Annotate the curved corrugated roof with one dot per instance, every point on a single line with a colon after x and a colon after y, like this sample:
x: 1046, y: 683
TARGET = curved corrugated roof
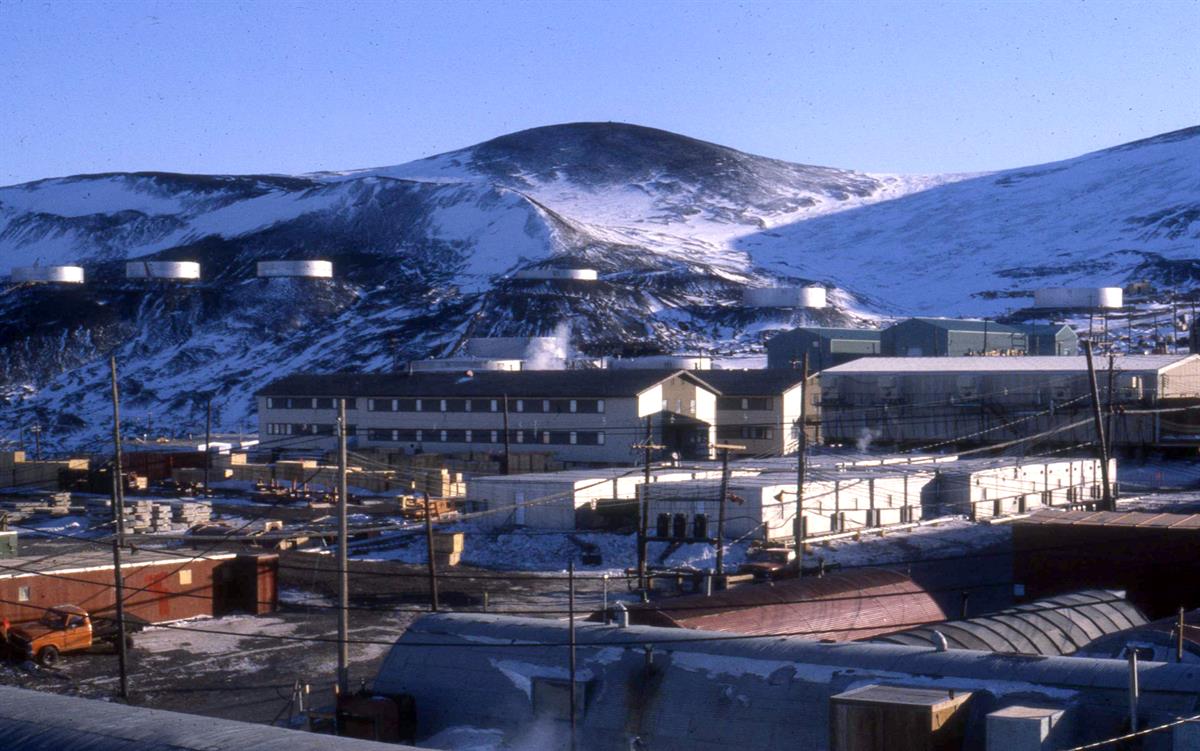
x: 840, y: 606
x: 36, y: 721
x: 1054, y: 626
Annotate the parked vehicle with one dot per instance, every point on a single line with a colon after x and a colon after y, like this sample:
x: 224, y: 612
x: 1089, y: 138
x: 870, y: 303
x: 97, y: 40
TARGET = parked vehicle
x: 61, y: 630
x: 769, y: 563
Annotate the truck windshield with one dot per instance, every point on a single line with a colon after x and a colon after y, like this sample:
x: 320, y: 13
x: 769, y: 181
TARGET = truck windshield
x: 54, y: 619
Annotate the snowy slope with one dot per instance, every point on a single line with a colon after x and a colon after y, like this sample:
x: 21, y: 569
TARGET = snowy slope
x: 424, y: 255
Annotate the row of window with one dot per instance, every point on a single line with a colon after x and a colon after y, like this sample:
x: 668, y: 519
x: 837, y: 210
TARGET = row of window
x: 306, y: 402
x: 746, y: 403
x: 303, y: 428
x: 547, y: 406
x: 750, y: 432
x: 549, y: 437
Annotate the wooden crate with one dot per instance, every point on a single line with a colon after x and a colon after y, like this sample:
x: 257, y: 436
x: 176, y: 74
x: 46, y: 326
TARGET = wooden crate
x: 897, y: 718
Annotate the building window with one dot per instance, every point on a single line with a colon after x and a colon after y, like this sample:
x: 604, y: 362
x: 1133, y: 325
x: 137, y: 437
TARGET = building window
x: 520, y: 436
x: 574, y: 438
x: 22, y: 594
x: 574, y: 407
x: 551, y: 698
x: 323, y: 403
x: 495, y: 405
x: 270, y: 402
x: 546, y: 406
x: 495, y: 436
x: 600, y: 407
x: 691, y: 406
x: 443, y: 436
x: 467, y: 436
x: 372, y: 405
x: 420, y: 436
x: 351, y: 404
x: 420, y: 405
x: 545, y: 436
x: 520, y: 405
x: 600, y: 438
x: 185, y: 577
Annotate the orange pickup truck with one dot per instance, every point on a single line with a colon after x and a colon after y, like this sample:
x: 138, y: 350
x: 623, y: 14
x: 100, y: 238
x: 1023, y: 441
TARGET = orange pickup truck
x: 61, y: 629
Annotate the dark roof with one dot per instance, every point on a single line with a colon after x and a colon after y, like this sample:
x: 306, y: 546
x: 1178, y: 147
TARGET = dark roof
x: 484, y: 383
x: 958, y: 324
x: 824, y: 332
x: 37, y: 721
x: 1055, y: 626
x: 841, y: 606
x: 771, y: 381
x: 1114, y: 519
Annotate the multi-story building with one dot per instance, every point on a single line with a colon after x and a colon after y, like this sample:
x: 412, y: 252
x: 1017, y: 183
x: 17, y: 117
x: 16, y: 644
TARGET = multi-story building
x: 584, y: 416
x: 758, y: 409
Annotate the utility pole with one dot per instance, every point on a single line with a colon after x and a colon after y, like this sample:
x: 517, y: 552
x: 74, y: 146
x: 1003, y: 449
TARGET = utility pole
x: 343, y: 564
x: 506, y: 443
x: 1179, y: 637
x: 433, y: 588
x: 724, y: 447
x: 1102, y: 446
x: 571, y: 642
x: 1108, y: 424
x: 800, y: 527
x: 643, y: 541
x: 1174, y: 327
x: 208, y: 445
x: 118, y: 515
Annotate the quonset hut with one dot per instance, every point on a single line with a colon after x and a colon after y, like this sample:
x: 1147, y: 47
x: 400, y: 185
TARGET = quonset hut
x: 1056, y: 626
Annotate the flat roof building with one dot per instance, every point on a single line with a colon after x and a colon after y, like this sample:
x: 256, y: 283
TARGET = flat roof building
x: 985, y: 400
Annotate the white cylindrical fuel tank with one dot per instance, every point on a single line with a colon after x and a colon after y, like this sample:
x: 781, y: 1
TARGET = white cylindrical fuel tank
x: 48, y: 274
x: 784, y: 297
x: 812, y: 297
x: 1078, y: 297
x: 310, y: 269
x: 663, y: 362
x: 582, y: 275
x: 177, y: 270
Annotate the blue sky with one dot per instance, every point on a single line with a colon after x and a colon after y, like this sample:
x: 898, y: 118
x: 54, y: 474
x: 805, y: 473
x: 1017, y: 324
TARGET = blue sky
x: 294, y: 87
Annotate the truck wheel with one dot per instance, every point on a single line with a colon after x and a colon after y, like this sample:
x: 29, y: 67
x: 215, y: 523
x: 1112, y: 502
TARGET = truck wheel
x: 48, y: 656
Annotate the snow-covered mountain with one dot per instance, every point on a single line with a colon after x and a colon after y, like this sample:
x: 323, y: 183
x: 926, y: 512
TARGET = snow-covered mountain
x: 424, y: 255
